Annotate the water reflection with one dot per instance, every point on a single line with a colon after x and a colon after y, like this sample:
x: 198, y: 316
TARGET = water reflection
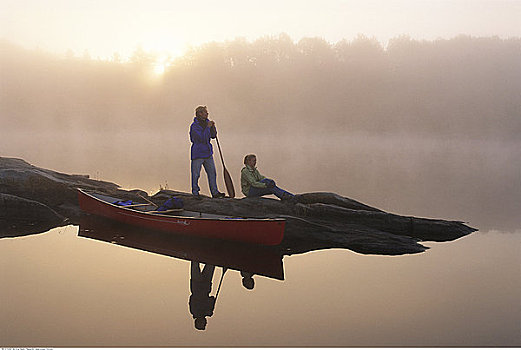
x: 201, y: 303
x: 205, y: 256
x: 247, y: 280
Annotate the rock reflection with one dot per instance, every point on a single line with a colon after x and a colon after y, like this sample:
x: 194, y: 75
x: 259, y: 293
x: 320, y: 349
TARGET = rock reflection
x: 205, y: 255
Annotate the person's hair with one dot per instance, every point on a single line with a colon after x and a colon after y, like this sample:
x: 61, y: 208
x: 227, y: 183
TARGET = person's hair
x: 248, y: 282
x: 199, y: 109
x: 200, y: 323
x: 248, y: 157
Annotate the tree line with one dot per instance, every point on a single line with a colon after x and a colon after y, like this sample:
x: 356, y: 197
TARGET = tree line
x: 459, y: 87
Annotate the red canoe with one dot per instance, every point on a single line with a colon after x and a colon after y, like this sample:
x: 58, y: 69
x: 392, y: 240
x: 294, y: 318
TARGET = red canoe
x: 258, y: 231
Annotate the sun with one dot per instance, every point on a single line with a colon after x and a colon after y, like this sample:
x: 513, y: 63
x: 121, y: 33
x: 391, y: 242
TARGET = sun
x: 161, y: 64
x: 159, y: 68
x: 164, y: 52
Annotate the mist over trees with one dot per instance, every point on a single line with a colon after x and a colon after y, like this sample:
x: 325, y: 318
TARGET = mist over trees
x: 462, y: 87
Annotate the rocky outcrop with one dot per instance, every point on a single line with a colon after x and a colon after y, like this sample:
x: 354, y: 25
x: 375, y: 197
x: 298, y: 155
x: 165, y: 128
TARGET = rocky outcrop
x: 20, y: 216
x: 54, y: 189
x: 326, y: 220
x: 33, y: 200
x: 314, y: 220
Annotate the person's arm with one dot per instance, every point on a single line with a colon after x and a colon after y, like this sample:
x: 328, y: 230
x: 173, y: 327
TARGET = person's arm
x: 197, y: 134
x: 213, y: 130
x: 251, y: 180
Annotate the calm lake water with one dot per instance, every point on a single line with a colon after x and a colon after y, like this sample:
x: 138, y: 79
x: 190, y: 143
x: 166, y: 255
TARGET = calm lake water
x: 64, y: 289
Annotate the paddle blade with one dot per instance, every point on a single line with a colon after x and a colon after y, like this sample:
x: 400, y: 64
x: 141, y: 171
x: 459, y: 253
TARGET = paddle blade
x: 229, y: 184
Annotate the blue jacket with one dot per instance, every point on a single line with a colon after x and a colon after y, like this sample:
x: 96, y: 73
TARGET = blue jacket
x: 200, y: 137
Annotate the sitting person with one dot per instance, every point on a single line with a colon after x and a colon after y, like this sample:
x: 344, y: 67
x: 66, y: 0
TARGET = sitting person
x: 254, y: 184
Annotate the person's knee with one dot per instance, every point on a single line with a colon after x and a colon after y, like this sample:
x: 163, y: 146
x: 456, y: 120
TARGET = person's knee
x: 270, y: 183
x: 196, y: 168
x: 210, y: 168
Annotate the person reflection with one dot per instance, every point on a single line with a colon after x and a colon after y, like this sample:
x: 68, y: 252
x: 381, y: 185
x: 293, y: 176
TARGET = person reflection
x: 201, y: 303
x: 247, y: 280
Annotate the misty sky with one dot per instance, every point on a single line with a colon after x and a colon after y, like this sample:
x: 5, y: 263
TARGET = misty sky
x: 104, y: 27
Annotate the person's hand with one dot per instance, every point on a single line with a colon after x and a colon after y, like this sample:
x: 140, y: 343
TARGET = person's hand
x: 211, y: 123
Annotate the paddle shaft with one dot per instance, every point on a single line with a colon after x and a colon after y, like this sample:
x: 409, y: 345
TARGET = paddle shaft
x: 149, y: 201
x: 219, y: 288
x: 220, y: 152
x: 227, y: 178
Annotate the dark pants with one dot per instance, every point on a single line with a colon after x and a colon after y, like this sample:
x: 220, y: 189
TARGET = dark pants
x: 201, y: 303
x: 257, y: 192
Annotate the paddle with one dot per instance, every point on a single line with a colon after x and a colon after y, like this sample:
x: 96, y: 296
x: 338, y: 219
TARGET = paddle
x: 227, y: 178
x: 149, y: 201
x: 219, y: 288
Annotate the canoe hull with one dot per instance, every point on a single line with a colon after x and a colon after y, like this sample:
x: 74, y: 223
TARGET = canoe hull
x: 257, y: 231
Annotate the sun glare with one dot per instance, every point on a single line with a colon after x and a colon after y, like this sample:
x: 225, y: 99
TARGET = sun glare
x: 159, y: 68
x: 162, y: 61
x: 164, y: 50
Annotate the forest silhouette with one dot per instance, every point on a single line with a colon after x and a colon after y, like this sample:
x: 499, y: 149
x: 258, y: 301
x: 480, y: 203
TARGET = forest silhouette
x: 461, y: 87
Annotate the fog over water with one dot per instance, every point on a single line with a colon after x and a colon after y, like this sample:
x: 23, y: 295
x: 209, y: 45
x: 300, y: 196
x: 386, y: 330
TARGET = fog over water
x: 425, y: 128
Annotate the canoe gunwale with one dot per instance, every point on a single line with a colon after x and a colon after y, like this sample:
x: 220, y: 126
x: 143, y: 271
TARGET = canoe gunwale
x: 263, y: 231
x: 224, y: 217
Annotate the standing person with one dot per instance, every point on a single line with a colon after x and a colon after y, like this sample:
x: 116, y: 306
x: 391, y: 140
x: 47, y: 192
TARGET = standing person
x: 253, y: 184
x: 201, y: 152
x: 201, y: 304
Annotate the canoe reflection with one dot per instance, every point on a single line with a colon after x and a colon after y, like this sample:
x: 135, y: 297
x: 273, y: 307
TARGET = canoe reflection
x: 205, y: 255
